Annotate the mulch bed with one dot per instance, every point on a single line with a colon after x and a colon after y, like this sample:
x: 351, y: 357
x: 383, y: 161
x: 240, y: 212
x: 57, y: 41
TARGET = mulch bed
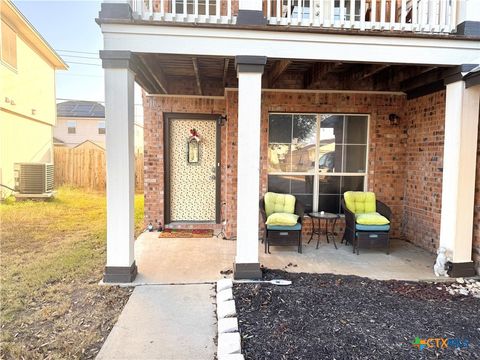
x: 324, y: 316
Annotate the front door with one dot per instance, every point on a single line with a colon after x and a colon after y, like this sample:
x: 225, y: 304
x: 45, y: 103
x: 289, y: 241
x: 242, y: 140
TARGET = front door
x: 191, y: 148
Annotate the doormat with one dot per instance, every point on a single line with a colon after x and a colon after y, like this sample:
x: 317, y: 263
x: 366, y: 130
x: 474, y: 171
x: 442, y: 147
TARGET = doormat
x: 186, y: 233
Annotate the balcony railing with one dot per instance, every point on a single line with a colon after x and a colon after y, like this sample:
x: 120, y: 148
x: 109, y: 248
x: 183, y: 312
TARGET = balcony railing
x: 433, y: 16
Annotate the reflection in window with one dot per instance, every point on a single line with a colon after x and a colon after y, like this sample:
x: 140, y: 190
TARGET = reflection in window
x: 292, y: 143
x: 299, y: 186
x: 339, y: 154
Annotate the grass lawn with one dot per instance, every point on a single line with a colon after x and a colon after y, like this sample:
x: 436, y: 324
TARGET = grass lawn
x: 52, y: 257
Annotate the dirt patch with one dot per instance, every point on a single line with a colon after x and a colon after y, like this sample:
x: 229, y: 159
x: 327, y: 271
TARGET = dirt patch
x: 324, y: 316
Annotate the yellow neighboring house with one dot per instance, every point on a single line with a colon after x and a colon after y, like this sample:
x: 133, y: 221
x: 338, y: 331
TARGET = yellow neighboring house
x: 27, y: 94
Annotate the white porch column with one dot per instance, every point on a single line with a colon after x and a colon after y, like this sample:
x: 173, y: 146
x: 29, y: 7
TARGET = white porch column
x: 119, y: 113
x: 459, y: 164
x: 249, y: 71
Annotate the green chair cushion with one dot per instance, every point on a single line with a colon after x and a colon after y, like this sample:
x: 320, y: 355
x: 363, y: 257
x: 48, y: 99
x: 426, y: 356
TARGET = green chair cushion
x: 361, y: 227
x: 359, y: 202
x: 282, y: 219
x: 296, y: 227
x: 279, y: 203
x: 372, y: 218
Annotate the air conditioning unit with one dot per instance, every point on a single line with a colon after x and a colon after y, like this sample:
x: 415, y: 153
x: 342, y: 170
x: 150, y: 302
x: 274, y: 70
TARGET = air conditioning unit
x: 33, y: 178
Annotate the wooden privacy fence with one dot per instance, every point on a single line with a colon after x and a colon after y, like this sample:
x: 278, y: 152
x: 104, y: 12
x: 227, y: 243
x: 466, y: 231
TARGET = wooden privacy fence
x: 86, y: 168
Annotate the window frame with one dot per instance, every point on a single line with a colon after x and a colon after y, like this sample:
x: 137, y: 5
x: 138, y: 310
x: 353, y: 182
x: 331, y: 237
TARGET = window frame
x: 2, y: 58
x: 67, y: 123
x: 316, y: 173
x: 99, y: 127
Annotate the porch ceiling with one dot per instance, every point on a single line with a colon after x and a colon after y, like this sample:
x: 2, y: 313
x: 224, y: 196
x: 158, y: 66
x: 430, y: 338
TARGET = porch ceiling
x: 205, y: 75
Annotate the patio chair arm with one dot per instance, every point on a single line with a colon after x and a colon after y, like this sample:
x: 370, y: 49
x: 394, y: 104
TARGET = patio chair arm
x: 299, y: 210
x: 349, y: 217
x: 384, y: 210
x: 262, y: 210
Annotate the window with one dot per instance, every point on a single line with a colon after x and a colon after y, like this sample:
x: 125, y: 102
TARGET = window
x: 9, y: 45
x: 72, y: 127
x: 101, y: 127
x: 317, y: 157
x: 212, y: 9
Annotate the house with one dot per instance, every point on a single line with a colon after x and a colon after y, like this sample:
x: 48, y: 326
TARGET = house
x: 79, y: 122
x: 27, y: 94
x: 393, y: 84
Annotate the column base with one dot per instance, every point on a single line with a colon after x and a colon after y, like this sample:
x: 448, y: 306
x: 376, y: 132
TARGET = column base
x: 120, y: 274
x: 250, y: 271
x: 465, y: 269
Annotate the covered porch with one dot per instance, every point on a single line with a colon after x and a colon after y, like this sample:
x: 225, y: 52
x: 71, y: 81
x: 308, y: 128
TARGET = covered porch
x: 172, y: 261
x: 419, y: 154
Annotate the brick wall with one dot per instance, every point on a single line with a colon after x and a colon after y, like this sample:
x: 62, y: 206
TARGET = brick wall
x: 424, y: 162
x: 386, y: 150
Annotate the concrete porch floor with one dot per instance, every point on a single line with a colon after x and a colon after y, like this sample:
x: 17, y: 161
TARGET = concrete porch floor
x: 200, y: 260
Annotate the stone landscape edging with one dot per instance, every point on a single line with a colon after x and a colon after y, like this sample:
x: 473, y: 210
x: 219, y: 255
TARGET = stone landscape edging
x: 229, y: 345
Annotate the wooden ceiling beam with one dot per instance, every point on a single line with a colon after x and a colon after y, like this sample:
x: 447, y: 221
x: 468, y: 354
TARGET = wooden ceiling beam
x: 369, y: 71
x: 225, y: 70
x: 426, y: 78
x: 318, y: 71
x: 156, y: 73
x: 277, y: 70
x: 197, y: 75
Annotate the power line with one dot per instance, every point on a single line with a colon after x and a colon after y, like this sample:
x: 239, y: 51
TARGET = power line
x: 82, y: 63
x: 83, y: 75
x: 77, y: 52
x: 82, y: 57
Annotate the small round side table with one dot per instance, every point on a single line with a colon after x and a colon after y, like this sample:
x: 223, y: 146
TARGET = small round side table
x: 327, y: 218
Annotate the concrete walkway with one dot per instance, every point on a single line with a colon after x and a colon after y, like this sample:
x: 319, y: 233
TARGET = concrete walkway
x: 164, y: 322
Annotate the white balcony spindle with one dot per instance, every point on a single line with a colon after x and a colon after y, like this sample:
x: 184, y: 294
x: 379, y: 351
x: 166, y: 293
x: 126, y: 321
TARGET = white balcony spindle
x: 362, y: 14
x: 392, y: 14
x: 195, y: 9
x: 332, y: 13
x: 373, y: 13
x: 382, y: 13
x: 453, y: 14
x: 352, y: 13
x: 150, y: 7
x: 162, y: 7
x: 310, y: 19
x: 321, y: 15
x: 443, y: 14
x: 229, y: 10
x: 184, y: 9
x: 289, y: 11
x: 342, y: 13
x: 269, y: 9
x: 217, y: 10
x: 299, y: 11
x: 278, y: 14
x: 403, y: 14
x: 207, y: 8
x: 174, y: 8
x: 414, y: 14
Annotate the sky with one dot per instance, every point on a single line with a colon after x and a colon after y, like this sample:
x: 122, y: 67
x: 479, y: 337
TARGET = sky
x: 70, y: 28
